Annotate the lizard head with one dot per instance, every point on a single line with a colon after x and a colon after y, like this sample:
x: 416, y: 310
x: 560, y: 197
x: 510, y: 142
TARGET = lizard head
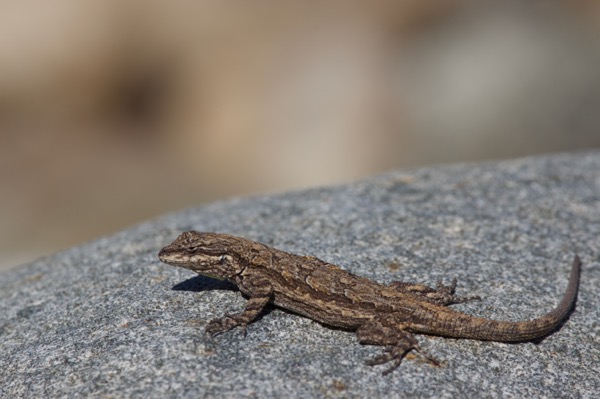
x: 209, y: 254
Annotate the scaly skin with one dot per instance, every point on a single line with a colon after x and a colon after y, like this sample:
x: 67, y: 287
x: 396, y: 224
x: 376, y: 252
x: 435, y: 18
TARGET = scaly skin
x: 380, y: 314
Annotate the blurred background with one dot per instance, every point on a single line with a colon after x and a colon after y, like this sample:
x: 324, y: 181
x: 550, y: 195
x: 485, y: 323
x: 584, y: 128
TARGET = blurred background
x: 112, y: 112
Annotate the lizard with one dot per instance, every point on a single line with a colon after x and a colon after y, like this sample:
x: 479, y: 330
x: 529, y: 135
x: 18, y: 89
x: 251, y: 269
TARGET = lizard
x: 381, y: 314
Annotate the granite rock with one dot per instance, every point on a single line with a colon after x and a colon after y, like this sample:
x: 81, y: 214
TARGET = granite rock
x: 107, y: 319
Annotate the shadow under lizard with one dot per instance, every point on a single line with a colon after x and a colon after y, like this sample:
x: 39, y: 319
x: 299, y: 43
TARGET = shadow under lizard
x: 386, y: 315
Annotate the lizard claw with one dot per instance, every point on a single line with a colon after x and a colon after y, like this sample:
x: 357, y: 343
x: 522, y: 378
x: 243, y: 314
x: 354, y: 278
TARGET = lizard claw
x: 244, y: 329
x: 426, y: 355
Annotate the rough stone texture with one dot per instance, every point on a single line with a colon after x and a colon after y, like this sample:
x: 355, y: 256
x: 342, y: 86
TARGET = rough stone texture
x: 106, y: 319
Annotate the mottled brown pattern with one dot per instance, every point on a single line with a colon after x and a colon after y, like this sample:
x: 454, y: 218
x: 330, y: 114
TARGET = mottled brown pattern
x: 380, y: 314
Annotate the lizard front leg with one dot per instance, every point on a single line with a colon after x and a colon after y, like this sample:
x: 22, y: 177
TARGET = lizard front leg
x: 390, y: 331
x: 260, y: 292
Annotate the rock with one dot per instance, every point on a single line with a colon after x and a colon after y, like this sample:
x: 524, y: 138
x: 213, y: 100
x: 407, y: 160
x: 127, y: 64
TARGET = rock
x: 107, y: 319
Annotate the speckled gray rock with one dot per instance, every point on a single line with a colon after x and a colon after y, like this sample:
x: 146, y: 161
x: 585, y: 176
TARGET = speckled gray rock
x: 106, y: 319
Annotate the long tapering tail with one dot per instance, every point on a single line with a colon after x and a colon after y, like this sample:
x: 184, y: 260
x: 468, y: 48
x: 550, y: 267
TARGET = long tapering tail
x: 461, y: 325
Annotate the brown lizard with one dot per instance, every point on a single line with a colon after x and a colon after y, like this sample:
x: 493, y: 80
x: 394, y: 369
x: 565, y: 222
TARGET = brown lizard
x: 380, y: 314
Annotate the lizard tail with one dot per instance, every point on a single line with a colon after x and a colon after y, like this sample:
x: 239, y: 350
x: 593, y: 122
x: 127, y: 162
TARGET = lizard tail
x: 460, y: 325
x: 565, y: 306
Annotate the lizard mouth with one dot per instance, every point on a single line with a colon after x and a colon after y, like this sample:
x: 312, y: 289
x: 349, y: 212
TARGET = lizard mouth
x: 196, y: 262
x: 170, y: 257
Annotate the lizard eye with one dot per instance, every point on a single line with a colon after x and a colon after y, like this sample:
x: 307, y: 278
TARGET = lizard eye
x: 193, y: 250
x: 223, y: 259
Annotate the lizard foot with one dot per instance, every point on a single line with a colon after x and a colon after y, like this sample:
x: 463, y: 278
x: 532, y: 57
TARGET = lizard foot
x: 396, y: 353
x: 398, y: 342
x: 444, y: 294
x: 222, y: 324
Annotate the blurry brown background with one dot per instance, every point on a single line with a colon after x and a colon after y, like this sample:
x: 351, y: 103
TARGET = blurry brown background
x: 112, y: 112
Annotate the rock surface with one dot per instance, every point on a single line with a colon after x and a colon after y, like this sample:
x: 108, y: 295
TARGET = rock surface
x: 107, y: 319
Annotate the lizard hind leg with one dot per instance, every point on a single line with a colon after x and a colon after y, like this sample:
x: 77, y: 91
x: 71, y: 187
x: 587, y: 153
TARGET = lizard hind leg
x: 397, y: 341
